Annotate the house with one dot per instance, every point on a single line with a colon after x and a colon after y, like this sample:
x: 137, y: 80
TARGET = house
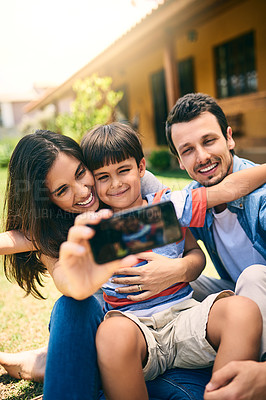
x: 211, y: 46
x: 12, y: 109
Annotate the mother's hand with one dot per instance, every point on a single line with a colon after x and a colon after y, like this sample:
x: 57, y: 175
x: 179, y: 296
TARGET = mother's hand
x: 76, y: 274
x: 152, y: 278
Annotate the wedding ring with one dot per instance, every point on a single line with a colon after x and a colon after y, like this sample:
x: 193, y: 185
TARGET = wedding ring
x: 140, y: 288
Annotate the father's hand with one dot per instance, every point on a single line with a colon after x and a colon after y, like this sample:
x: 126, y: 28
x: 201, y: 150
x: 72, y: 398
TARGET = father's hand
x: 152, y: 278
x: 245, y: 380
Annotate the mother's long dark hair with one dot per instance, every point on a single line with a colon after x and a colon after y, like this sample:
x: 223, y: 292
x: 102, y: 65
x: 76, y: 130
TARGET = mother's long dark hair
x: 29, y: 208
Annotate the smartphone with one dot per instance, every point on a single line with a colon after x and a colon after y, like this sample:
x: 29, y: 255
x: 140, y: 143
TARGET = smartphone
x: 135, y: 230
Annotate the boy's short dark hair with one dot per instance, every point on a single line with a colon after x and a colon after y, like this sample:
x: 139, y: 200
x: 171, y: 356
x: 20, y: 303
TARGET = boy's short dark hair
x: 189, y: 107
x: 109, y: 144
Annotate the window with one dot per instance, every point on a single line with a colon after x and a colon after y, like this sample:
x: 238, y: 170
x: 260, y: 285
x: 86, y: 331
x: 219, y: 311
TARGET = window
x: 186, y: 76
x: 235, y: 67
x: 159, y: 105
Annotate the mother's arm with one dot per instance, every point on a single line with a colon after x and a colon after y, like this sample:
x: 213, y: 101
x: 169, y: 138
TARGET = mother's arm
x: 162, y: 272
x: 12, y: 242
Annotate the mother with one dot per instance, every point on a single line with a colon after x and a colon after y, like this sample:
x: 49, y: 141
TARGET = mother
x: 48, y: 186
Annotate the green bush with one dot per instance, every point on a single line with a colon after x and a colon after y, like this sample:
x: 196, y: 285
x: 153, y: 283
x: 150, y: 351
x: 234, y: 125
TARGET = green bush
x: 160, y: 159
x: 94, y: 104
x: 6, y: 148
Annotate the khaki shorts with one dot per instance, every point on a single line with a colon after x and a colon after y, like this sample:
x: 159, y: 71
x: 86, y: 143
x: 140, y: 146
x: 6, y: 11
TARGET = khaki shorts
x: 176, y: 337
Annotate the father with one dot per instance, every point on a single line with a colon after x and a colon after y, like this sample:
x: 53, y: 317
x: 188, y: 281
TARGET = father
x: 234, y: 234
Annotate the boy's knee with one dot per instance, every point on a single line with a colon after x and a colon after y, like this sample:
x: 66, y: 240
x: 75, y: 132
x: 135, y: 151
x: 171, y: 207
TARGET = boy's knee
x: 234, y: 314
x: 236, y: 309
x: 243, y: 310
x: 116, y: 335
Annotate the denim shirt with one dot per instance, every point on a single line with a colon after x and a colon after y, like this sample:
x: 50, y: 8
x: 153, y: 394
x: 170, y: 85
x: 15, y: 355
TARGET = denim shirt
x: 251, y: 214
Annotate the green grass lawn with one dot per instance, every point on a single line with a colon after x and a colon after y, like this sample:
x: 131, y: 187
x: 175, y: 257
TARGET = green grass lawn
x: 24, y: 321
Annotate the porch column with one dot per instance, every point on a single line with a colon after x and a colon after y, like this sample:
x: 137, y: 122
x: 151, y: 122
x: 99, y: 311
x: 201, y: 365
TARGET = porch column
x: 170, y: 70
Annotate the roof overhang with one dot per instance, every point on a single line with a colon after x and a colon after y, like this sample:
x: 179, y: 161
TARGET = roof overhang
x: 174, y: 16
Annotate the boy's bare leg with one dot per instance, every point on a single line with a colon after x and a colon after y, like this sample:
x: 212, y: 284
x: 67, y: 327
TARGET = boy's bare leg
x: 29, y: 365
x: 121, y: 350
x: 234, y: 329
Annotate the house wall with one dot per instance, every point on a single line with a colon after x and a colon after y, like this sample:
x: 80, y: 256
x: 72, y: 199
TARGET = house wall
x: 139, y: 92
x: 135, y: 57
x: 137, y: 79
x: 7, y: 114
x: 18, y: 111
x: 63, y: 104
x: 246, y: 16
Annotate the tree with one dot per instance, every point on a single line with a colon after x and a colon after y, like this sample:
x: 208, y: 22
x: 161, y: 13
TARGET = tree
x: 94, y: 104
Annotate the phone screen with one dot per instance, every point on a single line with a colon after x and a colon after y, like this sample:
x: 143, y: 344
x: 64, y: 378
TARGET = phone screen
x: 136, y: 230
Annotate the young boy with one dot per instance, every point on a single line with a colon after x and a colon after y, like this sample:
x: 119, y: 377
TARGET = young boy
x: 140, y: 340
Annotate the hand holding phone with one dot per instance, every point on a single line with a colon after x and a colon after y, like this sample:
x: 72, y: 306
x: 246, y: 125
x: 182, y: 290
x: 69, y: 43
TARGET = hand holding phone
x: 135, y: 230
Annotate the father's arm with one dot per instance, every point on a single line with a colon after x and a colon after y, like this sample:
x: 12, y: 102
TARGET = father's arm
x: 150, y: 184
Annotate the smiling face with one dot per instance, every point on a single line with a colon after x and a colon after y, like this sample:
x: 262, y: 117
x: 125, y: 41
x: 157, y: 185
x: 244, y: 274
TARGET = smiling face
x: 118, y: 185
x: 203, y: 150
x: 71, y: 185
